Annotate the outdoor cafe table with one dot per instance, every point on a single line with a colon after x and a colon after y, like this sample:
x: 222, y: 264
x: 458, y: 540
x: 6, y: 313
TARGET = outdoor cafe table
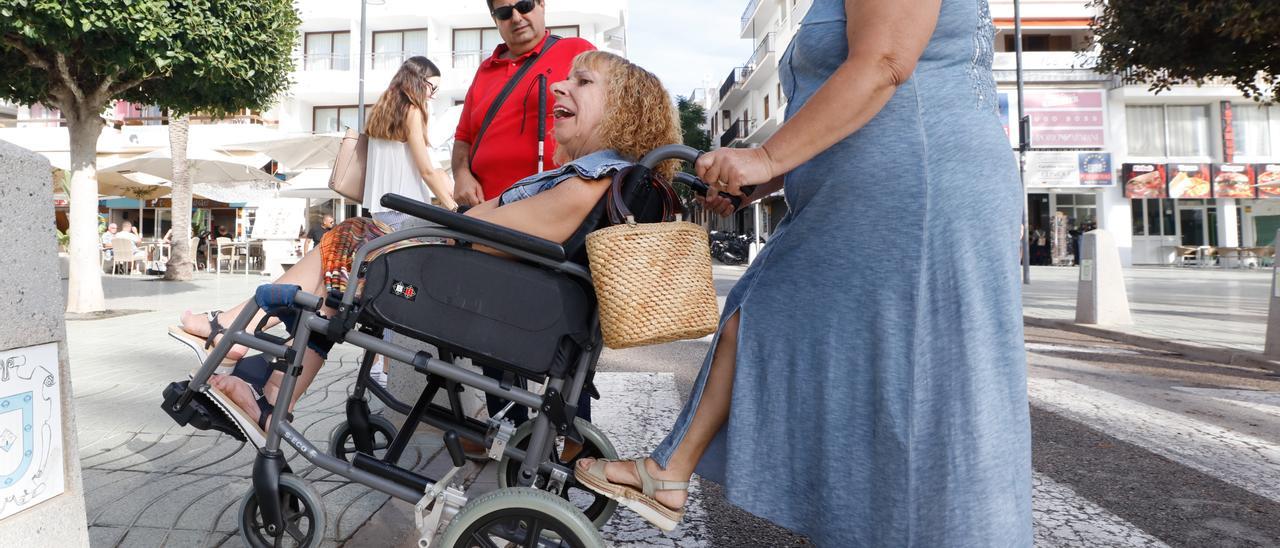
x: 235, y: 245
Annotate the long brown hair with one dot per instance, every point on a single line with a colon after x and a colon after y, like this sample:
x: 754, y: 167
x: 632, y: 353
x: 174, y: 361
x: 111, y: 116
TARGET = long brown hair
x: 639, y: 113
x: 408, y: 88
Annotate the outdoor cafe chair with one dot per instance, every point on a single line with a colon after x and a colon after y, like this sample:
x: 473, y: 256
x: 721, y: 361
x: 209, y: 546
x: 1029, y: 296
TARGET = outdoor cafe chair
x: 228, y: 250
x: 124, y: 251
x: 1186, y: 254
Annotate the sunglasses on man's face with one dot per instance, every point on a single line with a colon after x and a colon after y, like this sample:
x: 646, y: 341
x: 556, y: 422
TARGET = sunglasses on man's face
x: 505, y: 12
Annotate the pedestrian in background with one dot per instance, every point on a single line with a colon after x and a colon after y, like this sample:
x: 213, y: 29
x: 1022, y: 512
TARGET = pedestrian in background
x: 497, y: 142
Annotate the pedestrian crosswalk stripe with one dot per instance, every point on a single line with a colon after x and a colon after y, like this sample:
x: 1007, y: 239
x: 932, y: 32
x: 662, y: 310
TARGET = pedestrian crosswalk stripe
x: 1065, y: 519
x: 1245, y: 461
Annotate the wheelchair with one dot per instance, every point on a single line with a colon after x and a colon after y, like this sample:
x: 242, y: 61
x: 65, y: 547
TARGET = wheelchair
x: 532, y: 315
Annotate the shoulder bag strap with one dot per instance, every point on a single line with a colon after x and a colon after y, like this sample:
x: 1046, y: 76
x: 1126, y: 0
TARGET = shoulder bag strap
x: 506, y: 90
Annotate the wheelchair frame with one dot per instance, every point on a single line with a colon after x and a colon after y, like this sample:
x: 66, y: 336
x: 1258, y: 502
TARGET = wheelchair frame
x: 434, y: 500
x: 555, y: 416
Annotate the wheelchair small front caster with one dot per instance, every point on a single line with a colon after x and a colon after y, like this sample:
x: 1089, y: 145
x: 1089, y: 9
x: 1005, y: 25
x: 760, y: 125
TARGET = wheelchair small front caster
x: 342, y: 442
x: 304, y: 520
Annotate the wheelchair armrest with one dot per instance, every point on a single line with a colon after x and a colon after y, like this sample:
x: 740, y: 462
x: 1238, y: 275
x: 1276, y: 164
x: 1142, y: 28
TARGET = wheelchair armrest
x: 476, y: 227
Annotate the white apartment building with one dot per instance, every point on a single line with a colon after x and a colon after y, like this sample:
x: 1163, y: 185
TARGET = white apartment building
x: 1089, y: 133
x: 324, y: 97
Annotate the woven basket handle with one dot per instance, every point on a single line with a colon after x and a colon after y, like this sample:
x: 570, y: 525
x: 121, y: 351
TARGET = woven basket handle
x: 617, y: 206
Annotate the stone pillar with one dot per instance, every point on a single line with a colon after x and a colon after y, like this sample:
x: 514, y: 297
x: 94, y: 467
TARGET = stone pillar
x: 1100, y: 294
x: 1273, y: 309
x: 41, y: 494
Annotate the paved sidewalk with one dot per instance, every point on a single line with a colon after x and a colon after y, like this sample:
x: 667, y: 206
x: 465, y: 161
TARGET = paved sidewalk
x: 150, y: 482
x: 1210, y: 307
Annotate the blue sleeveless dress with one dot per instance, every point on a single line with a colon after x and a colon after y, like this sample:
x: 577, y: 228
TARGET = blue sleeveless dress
x: 879, y: 396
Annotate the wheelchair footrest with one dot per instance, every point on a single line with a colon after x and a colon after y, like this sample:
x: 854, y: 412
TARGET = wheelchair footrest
x: 199, y: 413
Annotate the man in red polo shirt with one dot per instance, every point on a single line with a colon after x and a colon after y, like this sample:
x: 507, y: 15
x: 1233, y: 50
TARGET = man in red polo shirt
x: 508, y: 149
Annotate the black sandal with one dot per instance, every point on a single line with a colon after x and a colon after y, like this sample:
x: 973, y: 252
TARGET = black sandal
x: 202, y: 345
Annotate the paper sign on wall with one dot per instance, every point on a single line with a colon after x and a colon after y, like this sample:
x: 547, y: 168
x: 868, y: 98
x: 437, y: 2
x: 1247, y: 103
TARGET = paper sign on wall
x: 31, y: 468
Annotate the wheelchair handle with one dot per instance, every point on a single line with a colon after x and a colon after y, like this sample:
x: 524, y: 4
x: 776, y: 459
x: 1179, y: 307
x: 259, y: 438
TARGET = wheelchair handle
x: 689, y: 155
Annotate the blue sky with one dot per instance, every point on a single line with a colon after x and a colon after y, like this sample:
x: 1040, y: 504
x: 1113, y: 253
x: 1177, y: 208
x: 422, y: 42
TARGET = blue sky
x: 686, y: 42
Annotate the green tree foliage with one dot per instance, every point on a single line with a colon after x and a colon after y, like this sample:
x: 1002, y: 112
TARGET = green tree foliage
x: 1168, y: 42
x: 215, y: 56
x: 692, y: 117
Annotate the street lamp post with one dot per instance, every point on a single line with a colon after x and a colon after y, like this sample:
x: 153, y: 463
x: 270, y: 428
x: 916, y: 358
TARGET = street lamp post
x: 364, y: 8
x: 1024, y: 143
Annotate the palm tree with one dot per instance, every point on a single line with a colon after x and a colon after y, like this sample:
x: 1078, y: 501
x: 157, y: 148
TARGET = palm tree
x: 182, y: 258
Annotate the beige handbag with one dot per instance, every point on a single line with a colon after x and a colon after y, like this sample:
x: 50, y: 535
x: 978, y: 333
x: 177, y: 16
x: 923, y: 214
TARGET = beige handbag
x: 347, y: 177
x: 653, y: 280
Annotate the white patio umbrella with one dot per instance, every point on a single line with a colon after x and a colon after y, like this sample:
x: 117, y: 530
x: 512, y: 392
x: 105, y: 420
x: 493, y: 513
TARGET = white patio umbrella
x: 312, y: 184
x: 207, y: 166
x: 298, y: 152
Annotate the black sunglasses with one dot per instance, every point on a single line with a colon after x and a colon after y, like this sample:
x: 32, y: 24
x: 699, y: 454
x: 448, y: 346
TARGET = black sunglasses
x: 505, y: 12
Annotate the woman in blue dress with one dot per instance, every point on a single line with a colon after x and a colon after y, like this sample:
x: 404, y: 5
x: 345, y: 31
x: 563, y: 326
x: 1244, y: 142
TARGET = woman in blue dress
x: 867, y: 386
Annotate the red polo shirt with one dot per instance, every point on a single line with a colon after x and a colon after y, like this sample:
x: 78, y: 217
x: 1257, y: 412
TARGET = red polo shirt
x: 509, y: 149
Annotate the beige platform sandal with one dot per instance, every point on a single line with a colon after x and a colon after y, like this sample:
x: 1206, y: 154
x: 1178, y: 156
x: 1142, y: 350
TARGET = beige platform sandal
x: 640, y: 502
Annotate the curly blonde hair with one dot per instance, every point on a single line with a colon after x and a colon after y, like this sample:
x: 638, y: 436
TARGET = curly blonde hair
x: 639, y: 113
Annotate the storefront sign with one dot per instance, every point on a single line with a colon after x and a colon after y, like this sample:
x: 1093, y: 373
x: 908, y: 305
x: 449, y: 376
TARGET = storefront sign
x: 1062, y: 118
x: 1144, y: 181
x: 1068, y: 169
x: 1095, y: 169
x: 1228, y: 131
x: 1233, y: 181
x: 1189, y: 181
x: 197, y: 203
x: 1059, y: 118
x: 1268, y: 180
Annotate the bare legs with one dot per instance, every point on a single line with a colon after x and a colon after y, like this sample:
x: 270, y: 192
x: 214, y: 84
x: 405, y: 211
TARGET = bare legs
x: 306, y: 274
x: 711, y: 414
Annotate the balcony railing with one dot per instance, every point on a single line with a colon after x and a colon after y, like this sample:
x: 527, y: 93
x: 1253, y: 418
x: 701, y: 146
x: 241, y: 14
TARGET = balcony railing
x: 391, y: 60
x: 736, y: 75
x: 326, y: 61
x: 468, y: 59
x: 762, y: 50
x: 799, y: 9
x: 732, y: 134
x: 748, y: 14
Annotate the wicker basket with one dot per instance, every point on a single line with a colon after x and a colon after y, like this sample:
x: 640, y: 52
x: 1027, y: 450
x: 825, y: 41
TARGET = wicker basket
x: 653, y: 283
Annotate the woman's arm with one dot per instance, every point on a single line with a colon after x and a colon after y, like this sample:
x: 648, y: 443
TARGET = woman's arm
x: 886, y: 39
x: 554, y: 214
x: 436, y: 179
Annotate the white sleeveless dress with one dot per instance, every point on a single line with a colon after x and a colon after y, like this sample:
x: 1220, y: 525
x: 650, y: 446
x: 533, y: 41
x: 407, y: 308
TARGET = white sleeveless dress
x: 389, y: 168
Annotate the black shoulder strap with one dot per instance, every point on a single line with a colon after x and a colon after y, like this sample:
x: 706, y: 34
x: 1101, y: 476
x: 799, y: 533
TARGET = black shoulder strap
x: 506, y: 90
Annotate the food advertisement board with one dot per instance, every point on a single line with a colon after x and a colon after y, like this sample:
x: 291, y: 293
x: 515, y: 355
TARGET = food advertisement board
x: 1233, y: 181
x: 1144, y: 181
x: 1267, y: 177
x: 1189, y: 181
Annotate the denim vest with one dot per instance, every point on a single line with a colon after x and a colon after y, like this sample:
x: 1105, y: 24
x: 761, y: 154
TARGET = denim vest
x: 592, y: 166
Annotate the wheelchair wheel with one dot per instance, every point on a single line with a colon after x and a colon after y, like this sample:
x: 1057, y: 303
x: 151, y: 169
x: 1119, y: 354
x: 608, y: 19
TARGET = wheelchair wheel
x: 303, y: 516
x: 598, y: 508
x: 520, y: 516
x: 342, y: 442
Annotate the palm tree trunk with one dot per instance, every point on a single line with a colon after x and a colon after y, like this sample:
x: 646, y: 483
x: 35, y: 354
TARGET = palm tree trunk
x: 182, y: 259
x: 84, y: 284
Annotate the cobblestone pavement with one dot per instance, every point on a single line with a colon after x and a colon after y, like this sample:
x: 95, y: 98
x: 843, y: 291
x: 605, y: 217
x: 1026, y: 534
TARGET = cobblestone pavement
x: 1132, y: 447
x: 1202, y: 306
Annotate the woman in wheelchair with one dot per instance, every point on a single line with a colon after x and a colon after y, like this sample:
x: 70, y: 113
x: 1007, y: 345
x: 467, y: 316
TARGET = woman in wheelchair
x: 609, y: 113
